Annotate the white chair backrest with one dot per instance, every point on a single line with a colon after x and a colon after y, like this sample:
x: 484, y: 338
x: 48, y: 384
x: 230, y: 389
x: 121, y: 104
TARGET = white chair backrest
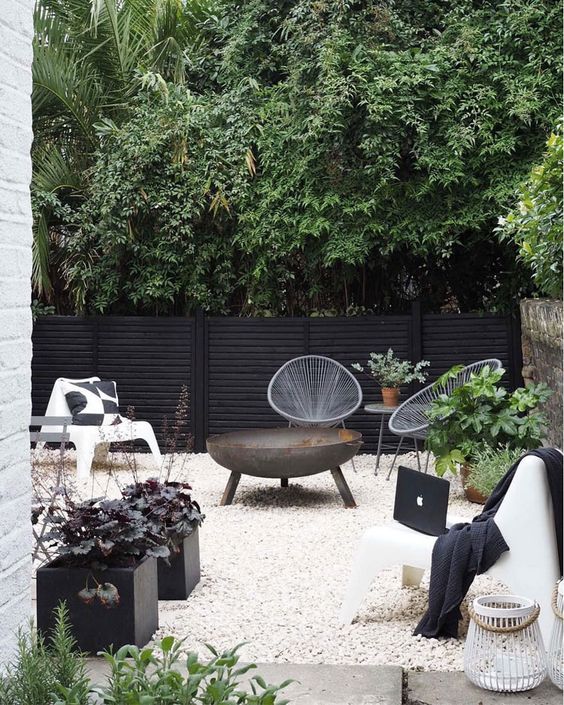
x: 57, y: 405
x: 526, y: 521
x: 525, y: 516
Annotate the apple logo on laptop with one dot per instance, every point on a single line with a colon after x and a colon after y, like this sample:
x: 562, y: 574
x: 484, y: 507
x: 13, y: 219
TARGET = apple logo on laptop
x: 420, y: 500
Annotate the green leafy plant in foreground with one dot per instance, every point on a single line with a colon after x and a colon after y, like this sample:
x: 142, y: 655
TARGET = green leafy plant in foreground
x: 389, y: 371
x: 171, y: 675
x: 489, y: 465
x: 53, y: 672
x: 42, y: 668
x: 482, y: 414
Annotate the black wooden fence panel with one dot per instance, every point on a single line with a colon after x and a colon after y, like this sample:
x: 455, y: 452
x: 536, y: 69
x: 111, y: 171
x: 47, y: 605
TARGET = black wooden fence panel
x: 226, y: 363
x: 149, y: 358
x: 350, y: 340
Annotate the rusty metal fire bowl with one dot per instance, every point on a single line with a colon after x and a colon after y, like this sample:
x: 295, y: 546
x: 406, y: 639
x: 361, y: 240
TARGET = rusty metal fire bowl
x: 285, y: 453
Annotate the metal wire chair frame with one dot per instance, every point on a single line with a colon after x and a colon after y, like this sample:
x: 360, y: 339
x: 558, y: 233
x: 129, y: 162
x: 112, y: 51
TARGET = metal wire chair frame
x: 312, y: 383
x: 414, y: 411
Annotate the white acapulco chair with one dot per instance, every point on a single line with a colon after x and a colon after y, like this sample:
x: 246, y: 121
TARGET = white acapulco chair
x: 86, y: 438
x: 411, y: 419
x: 530, y: 568
x: 313, y: 390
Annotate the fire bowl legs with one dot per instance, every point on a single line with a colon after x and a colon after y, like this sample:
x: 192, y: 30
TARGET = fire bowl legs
x: 337, y: 473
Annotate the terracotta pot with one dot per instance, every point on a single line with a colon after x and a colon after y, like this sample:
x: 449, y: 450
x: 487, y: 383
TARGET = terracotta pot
x: 390, y: 396
x: 471, y: 493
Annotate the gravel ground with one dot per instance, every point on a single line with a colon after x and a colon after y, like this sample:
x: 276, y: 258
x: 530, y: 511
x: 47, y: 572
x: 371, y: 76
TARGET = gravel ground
x: 275, y: 566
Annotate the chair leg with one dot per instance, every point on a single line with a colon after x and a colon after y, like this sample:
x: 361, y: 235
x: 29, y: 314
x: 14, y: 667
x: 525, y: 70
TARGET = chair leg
x: 148, y: 435
x: 427, y: 461
x: 417, y: 454
x: 352, y: 459
x: 411, y: 575
x: 395, y: 456
x: 368, y: 562
x: 84, y: 457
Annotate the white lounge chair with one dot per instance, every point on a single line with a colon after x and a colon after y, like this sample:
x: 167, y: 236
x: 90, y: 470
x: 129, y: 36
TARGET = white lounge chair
x: 86, y: 438
x: 525, y: 519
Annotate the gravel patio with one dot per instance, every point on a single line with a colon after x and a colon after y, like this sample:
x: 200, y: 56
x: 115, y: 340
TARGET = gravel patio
x: 275, y: 565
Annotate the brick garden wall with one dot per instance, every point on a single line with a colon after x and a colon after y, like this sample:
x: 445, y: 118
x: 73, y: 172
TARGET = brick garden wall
x: 541, y: 326
x: 16, y: 28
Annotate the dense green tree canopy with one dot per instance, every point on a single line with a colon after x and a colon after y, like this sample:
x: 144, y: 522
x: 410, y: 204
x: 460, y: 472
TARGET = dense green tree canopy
x: 317, y: 156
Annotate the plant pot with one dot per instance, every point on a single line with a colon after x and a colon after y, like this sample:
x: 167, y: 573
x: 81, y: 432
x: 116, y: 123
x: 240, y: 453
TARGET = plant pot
x: 390, y: 396
x: 96, y: 627
x: 177, y: 580
x: 471, y: 493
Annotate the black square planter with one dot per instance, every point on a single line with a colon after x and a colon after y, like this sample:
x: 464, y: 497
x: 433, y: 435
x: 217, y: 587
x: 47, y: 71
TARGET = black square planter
x: 95, y: 627
x: 178, y: 580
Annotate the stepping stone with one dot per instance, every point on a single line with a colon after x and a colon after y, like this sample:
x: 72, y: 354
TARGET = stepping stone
x: 336, y: 685
x: 433, y: 688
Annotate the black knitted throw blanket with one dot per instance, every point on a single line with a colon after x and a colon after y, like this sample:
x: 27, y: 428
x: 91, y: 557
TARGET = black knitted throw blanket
x: 467, y: 550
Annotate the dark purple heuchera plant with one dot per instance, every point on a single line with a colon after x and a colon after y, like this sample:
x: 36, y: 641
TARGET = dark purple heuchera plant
x: 100, y: 533
x: 169, y: 506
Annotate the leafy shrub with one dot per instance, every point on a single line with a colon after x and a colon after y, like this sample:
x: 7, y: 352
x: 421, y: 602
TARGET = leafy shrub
x: 482, y: 414
x: 169, y: 505
x: 489, y: 465
x: 147, y: 677
x: 389, y: 371
x: 536, y: 223
x: 41, y: 670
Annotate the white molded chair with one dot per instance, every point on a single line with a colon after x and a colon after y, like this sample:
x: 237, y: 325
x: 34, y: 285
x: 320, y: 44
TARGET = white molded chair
x: 86, y: 438
x: 525, y: 519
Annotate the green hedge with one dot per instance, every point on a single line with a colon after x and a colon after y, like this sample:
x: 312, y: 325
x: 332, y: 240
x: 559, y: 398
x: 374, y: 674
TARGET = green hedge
x: 323, y: 157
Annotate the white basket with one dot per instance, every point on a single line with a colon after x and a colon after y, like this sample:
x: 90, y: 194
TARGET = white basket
x: 555, y: 652
x: 504, y: 650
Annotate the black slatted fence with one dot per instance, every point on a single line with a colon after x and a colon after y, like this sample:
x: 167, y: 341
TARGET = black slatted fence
x: 226, y: 363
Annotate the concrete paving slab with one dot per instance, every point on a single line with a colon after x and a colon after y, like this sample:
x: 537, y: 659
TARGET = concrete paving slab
x: 320, y: 684
x: 337, y: 685
x: 434, y: 688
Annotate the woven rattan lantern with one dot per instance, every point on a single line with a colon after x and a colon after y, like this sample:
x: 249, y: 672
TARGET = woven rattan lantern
x: 504, y: 650
x: 555, y: 651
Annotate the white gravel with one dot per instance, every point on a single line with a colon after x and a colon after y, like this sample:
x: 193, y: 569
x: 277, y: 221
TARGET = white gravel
x: 276, y: 562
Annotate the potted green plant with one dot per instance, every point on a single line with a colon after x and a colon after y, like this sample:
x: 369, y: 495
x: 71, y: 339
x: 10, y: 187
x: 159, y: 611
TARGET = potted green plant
x: 105, y: 570
x: 171, y: 506
x: 482, y: 414
x: 487, y: 467
x: 391, y: 372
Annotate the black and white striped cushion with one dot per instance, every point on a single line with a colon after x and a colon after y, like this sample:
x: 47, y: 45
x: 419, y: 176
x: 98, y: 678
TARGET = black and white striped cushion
x: 92, y: 403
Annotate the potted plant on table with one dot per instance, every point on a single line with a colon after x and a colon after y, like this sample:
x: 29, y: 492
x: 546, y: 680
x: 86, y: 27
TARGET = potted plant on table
x: 479, y: 415
x: 105, y: 570
x: 390, y: 372
x: 170, y: 506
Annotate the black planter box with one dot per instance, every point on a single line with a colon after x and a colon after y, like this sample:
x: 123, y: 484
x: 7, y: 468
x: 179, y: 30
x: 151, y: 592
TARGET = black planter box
x: 95, y: 627
x: 177, y: 580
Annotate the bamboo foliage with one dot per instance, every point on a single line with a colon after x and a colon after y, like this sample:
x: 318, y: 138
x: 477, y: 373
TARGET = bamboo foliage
x: 89, y: 56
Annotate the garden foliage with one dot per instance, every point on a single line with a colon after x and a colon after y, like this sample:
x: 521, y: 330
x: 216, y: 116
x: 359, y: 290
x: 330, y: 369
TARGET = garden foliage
x: 300, y: 156
x: 481, y: 414
x: 535, y: 225
x: 54, y: 673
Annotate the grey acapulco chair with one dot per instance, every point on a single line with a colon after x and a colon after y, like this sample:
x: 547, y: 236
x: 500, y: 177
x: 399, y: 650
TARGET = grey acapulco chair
x: 411, y: 419
x: 313, y: 390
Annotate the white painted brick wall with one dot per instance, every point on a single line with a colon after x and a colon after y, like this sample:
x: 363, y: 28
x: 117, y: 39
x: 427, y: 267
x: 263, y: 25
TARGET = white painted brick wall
x: 16, y: 30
